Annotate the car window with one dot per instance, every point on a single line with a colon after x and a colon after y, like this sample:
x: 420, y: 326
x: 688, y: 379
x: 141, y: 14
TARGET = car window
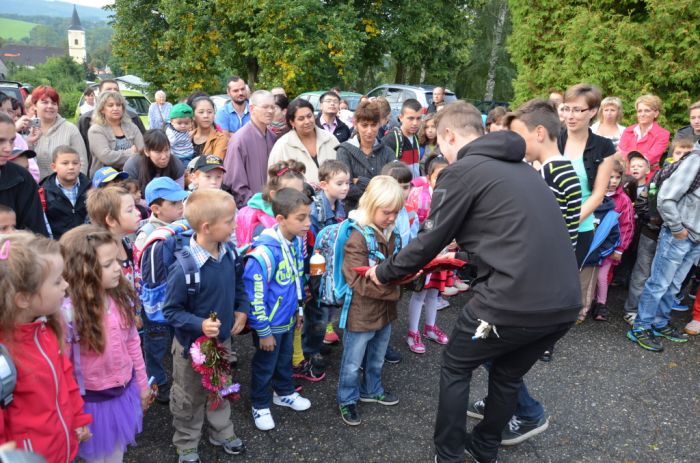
x: 393, y: 95
x: 381, y: 91
x: 406, y: 94
x: 313, y: 99
x: 138, y: 104
x: 353, y: 101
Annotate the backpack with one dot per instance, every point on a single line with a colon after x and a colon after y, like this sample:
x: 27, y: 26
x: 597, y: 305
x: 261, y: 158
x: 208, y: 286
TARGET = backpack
x: 659, y: 179
x: 247, y: 219
x: 607, y: 234
x: 330, y: 242
x: 419, y: 199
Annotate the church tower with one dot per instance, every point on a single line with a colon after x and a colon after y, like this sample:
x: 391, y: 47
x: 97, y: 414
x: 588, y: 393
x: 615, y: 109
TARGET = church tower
x: 76, y: 39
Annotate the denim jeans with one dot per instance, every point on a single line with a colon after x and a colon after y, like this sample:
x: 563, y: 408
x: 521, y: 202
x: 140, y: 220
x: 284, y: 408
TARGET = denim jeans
x: 528, y: 408
x: 640, y: 272
x: 671, y: 264
x: 157, y: 340
x: 358, y: 346
x: 272, y: 369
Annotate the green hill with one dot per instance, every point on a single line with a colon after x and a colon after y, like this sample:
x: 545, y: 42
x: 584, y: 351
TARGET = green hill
x: 11, y: 29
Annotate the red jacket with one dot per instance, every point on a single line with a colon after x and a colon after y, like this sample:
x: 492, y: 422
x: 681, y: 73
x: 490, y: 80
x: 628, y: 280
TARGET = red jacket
x: 46, y: 408
x: 652, y: 145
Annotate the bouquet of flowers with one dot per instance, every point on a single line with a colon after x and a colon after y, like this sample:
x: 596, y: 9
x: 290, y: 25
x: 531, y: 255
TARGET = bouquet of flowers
x: 210, y: 359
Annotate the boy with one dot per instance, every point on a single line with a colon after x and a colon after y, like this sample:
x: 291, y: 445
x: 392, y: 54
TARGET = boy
x: 639, y: 169
x: 165, y: 200
x: 211, y: 213
x: 178, y: 132
x: 8, y: 219
x: 208, y: 172
x: 108, y: 176
x: 403, y: 141
x: 326, y: 209
x: 65, y: 191
x: 274, y: 280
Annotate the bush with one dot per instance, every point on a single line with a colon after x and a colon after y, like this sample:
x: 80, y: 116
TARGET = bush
x: 69, y: 101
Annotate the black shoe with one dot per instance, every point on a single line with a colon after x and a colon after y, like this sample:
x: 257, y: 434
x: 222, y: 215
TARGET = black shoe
x: 385, y: 399
x: 519, y: 430
x: 476, y: 409
x: 350, y: 415
x: 645, y: 339
x: 163, y: 396
x: 305, y: 370
x: 318, y: 362
x: 546, y: 356
x: 468, y: 450
x: 601, y: 313
x: 671, y: 333
x: 392, y: 355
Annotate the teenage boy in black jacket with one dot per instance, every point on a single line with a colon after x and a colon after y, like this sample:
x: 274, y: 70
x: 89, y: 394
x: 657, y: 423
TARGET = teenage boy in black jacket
x: 499, y: 209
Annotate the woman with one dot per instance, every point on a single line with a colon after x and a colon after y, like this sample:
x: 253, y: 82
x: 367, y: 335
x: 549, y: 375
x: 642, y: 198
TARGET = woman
x: 207, y: 137
x: 693, y: 130
x: 363, y: 153
x: 591, y: 157
x: 159, y: 111
x: 279, y: 124
x: 609, y: 117
x: 112, y: 137
x: 53, y: 131
x: 155, y: 161
x: 646, y: 136
x: 305, y: 143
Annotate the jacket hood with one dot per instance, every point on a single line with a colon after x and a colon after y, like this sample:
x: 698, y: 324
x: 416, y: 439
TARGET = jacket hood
x: 504, y: 145
x: 269, y: 238
x: 257, y: 202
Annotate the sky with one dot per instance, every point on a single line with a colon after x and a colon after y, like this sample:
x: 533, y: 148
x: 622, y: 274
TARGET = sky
x: 93, y: 3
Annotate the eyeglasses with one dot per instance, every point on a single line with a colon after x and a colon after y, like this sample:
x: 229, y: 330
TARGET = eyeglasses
x: 332, y: 102
x: 574, y: 111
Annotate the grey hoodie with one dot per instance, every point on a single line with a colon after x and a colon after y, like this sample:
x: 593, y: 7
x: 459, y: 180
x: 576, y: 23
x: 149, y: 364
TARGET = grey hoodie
x: 679, y: 207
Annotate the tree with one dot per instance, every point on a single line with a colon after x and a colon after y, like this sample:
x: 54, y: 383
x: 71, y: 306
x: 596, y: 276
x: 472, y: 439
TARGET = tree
x: 46, y: 36
x: 626, y: 47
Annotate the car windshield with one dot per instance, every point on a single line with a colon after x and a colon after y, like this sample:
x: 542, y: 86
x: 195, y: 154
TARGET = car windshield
x: 137, y: 103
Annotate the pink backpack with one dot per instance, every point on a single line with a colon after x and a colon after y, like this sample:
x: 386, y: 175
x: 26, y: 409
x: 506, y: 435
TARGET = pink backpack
x: 419, y: 199
x: 247, y: 219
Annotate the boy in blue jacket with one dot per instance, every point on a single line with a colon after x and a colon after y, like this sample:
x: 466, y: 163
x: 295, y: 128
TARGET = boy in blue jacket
x: 211, y: 214
x: 274, y: 280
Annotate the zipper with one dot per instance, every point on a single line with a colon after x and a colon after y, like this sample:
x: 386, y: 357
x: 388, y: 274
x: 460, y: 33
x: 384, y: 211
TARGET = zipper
x: 55, y: 378
x: 274, y: 309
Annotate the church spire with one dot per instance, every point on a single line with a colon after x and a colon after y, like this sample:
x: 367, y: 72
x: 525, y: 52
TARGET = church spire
x: 75, y: 23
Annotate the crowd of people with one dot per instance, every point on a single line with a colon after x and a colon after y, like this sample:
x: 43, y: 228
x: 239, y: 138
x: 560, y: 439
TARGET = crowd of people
x: 121, y: 246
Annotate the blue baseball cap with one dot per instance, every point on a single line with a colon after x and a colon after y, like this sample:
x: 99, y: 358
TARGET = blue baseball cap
x: 105, y: 175
x: 164, y: 188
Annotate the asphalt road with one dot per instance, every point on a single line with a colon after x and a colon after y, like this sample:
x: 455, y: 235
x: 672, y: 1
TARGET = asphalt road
x: 607, y: 400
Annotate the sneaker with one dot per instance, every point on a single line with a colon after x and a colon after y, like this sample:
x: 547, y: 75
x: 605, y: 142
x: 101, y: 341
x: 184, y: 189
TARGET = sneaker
x: 629, y: 317
x: 461, y: 286
x: 392, y: 355
x: 671, y: 333
x: 318, y: 361
x: 519, y: 430
x: 306, y: 370
x: 692, y: 328
x: 331, y: 337
x: 415, y: 344
x: 442, y: 303
x: 476, y: 409
x: 232, y: 445
x: 188, y: 456
x: 645, y: 339
x: 294, y: 401
x: 450, y: 291
x: 263, y: 419
x: 387, y: 398
x: 350, y: 415
x: 435, y: 334
x: 678, y: 306
x: 474, y: 458
x: 546, y: 356
x: 601, y: 313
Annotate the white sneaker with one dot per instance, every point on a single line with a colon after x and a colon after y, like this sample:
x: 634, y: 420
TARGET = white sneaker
x: 263, y: 419
x: 294, y: 401
x: 692, y: 328
x: 461, y: 286
x: 442, y: 303
x: 450, y: 291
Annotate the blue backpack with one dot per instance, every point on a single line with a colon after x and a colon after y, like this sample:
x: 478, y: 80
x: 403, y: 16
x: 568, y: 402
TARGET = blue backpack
x: 607, y: 233
x: 330, y: 242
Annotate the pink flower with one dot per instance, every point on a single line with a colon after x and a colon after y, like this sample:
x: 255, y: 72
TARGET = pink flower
x: 198, y: 357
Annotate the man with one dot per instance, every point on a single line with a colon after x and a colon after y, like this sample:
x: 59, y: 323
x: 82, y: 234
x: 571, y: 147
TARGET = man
x: 328, y: 120
x: 527, y: 294
x: 249, y: 148
x: 438, y: 100
x: 278, y: 91
x: 235, y: 114
x: 107, y: 85
x: 18, y: 190
x: 403, y: 140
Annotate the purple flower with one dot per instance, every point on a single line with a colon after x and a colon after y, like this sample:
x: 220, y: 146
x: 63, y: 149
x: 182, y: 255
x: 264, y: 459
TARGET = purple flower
x: 232, y: 389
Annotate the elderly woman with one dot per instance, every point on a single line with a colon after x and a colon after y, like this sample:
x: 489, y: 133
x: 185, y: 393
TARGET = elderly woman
x: 159, y: 111
x: 646, y: 136
x: 305, y: 143
x: 207, y: 138
x: 609, y: 117
x: 112, y: 137
x: 53, y: 131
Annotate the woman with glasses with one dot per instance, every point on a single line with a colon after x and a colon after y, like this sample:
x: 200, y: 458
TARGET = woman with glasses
x: 646, y: 136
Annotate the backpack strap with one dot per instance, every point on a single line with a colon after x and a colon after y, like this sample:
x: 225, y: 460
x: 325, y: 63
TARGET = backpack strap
x: 399, y: 143
x: 320, y: 210
x: 189, y: 266
x: 264, y: 257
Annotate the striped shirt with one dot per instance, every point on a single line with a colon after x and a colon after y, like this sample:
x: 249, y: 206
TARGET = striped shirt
x: 561, y: 178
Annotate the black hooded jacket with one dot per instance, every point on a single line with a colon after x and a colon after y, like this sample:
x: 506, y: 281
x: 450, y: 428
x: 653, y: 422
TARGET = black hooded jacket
x: 497, y: 207
x: 19, y: 192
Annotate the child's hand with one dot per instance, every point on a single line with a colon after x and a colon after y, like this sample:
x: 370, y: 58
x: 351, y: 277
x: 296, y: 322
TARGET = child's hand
x: 240, y: 318
x: 300, y: 321
x: 210, y: 328
x: 267, y: 343
x: 138, y: 321
x: 616, y: 256
x: 146, y: 399
x: 83, y: 433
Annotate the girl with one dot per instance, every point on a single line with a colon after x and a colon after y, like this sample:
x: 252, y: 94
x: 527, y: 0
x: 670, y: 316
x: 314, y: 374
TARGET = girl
x: 427, y: 136
x: 156, y: 161
x: 46, y: 413
x: 419, y: 201
x: 373, y: 307
x: 252, y: 219
x: 100, y: 307
x: 624, y: 207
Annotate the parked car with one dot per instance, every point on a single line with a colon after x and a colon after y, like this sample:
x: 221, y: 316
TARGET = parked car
x: 135, y: 101
x: 220, y: 101
x: 396, y: 94
x: 13, y: 89
x: 352, y: 98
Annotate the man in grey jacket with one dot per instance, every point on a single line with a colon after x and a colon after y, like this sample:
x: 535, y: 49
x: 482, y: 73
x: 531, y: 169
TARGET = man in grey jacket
x: 677, y: 249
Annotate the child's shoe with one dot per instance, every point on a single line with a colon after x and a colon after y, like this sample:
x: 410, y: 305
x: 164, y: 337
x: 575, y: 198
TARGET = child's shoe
x: 188, y: 456
x: 629, y: 317
x: 646, y: 339
x: 331, y: 337
x: 350, y: 415
x: 450, y: 291
x: 392, y: 355
x: 461, y: 286
x: 692, y: 328
x: 232, y: 445
x: 306, y: 370
x: 601, y: 313
x: 415, y: 344
x: 435, y: 334
x: 263, y: 419
x: 442, y: 303
x: 294, y: 401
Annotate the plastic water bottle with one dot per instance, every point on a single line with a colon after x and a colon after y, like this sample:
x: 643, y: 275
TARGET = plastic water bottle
x: 653, y: 207
x: 317, y: 264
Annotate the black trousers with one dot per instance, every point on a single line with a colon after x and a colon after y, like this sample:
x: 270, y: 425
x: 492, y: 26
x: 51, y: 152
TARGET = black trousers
x: 513, y: 353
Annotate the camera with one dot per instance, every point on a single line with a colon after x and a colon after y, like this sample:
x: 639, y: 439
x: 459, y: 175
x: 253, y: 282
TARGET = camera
x: 35, y: 122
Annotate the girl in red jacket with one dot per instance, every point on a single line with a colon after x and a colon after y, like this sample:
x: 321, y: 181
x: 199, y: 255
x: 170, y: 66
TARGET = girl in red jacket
x: 46, y: 413
x: 112, y: 371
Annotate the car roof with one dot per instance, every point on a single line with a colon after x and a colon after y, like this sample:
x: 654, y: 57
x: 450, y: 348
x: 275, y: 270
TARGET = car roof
x: 342, y: 94
x: 424, y: 87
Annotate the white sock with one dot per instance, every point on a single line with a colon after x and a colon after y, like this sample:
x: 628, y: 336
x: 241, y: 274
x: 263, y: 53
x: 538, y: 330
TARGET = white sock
x: 415, y: 306
x: 431, y: 301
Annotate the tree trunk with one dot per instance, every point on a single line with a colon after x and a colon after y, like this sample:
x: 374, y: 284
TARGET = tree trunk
x: 493, y: 59
x: 253, y: 69
x: 400, y: 73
